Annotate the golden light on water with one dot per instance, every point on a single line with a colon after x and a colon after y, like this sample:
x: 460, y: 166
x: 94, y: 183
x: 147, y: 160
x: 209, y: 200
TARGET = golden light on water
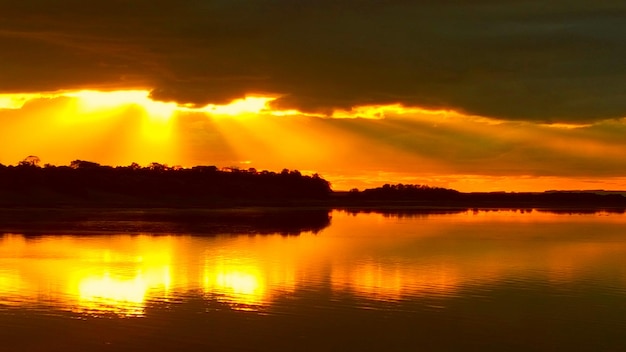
x: 11, y: 288
x: 241, y: 286
x: 102, y: 294
x: 122, y: 275
x: 392, y: 282
x: 86, y: 275
x: 123, y: 294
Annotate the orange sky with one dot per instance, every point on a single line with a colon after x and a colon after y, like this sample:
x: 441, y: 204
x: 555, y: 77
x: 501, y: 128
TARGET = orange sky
x: 487, y: 95
x: 364, y: 147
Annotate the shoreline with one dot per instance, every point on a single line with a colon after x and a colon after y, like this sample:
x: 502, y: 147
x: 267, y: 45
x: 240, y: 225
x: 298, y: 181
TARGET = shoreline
x: 231, y: 220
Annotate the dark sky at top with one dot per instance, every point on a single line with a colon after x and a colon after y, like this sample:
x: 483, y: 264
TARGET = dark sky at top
x: 546, y: 61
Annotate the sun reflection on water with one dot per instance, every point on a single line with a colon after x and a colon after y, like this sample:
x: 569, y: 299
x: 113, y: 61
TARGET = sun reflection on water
x: 393, y: 282
x: 242, y: 287
x: 370, y: 256
x: 105, y: 294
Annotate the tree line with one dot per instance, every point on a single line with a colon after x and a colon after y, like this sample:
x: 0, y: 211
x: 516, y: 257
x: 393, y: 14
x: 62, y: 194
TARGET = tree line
x: 426, y: 195
x: 202, y: 185
x: 85, y: 182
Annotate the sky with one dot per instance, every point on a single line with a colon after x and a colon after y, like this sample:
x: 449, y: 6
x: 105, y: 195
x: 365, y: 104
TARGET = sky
x: 485, y: 95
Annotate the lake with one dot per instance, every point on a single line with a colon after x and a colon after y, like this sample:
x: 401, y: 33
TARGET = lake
x: 499, y: 280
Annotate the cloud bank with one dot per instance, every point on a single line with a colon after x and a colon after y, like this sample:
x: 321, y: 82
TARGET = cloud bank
x: 557, y: 61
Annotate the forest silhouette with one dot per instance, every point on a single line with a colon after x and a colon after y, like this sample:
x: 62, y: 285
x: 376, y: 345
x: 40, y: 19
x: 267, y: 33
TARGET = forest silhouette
x: 85, y: 183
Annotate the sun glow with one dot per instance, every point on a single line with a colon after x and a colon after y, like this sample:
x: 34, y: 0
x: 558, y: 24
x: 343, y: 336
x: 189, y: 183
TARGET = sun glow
x: 382, y: 111
x: 247, y: 105
x: 17, y: 101
x: 94, y: 100
x: 97, y: 101
x: 360, y: 147
x: 90, y: 100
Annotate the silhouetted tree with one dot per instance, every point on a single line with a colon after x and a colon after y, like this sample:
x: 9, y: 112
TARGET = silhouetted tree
x: 82, y: 164
x: 30, y: 160
x: 157, y: 167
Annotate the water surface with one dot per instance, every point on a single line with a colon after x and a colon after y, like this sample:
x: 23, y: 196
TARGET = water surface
x: 470, y: 281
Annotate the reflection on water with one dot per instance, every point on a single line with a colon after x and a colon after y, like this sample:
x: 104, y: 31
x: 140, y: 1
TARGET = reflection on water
x: 85, y: 274
x: 284, y: 221
x: 373, y: 256
x: 445, y: 262
x: 243, y: 286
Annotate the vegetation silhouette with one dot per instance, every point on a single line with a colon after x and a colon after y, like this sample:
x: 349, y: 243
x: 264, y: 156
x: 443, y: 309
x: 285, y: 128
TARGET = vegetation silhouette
x: 89, y: 184
x: 420, y: 195
x: 400, y: 194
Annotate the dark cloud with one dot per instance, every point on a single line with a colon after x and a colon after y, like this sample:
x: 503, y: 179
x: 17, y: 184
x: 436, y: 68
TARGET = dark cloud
x: 522, y: 59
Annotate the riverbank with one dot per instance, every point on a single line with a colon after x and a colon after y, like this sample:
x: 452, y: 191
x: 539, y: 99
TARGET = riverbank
x: 247, y: 220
